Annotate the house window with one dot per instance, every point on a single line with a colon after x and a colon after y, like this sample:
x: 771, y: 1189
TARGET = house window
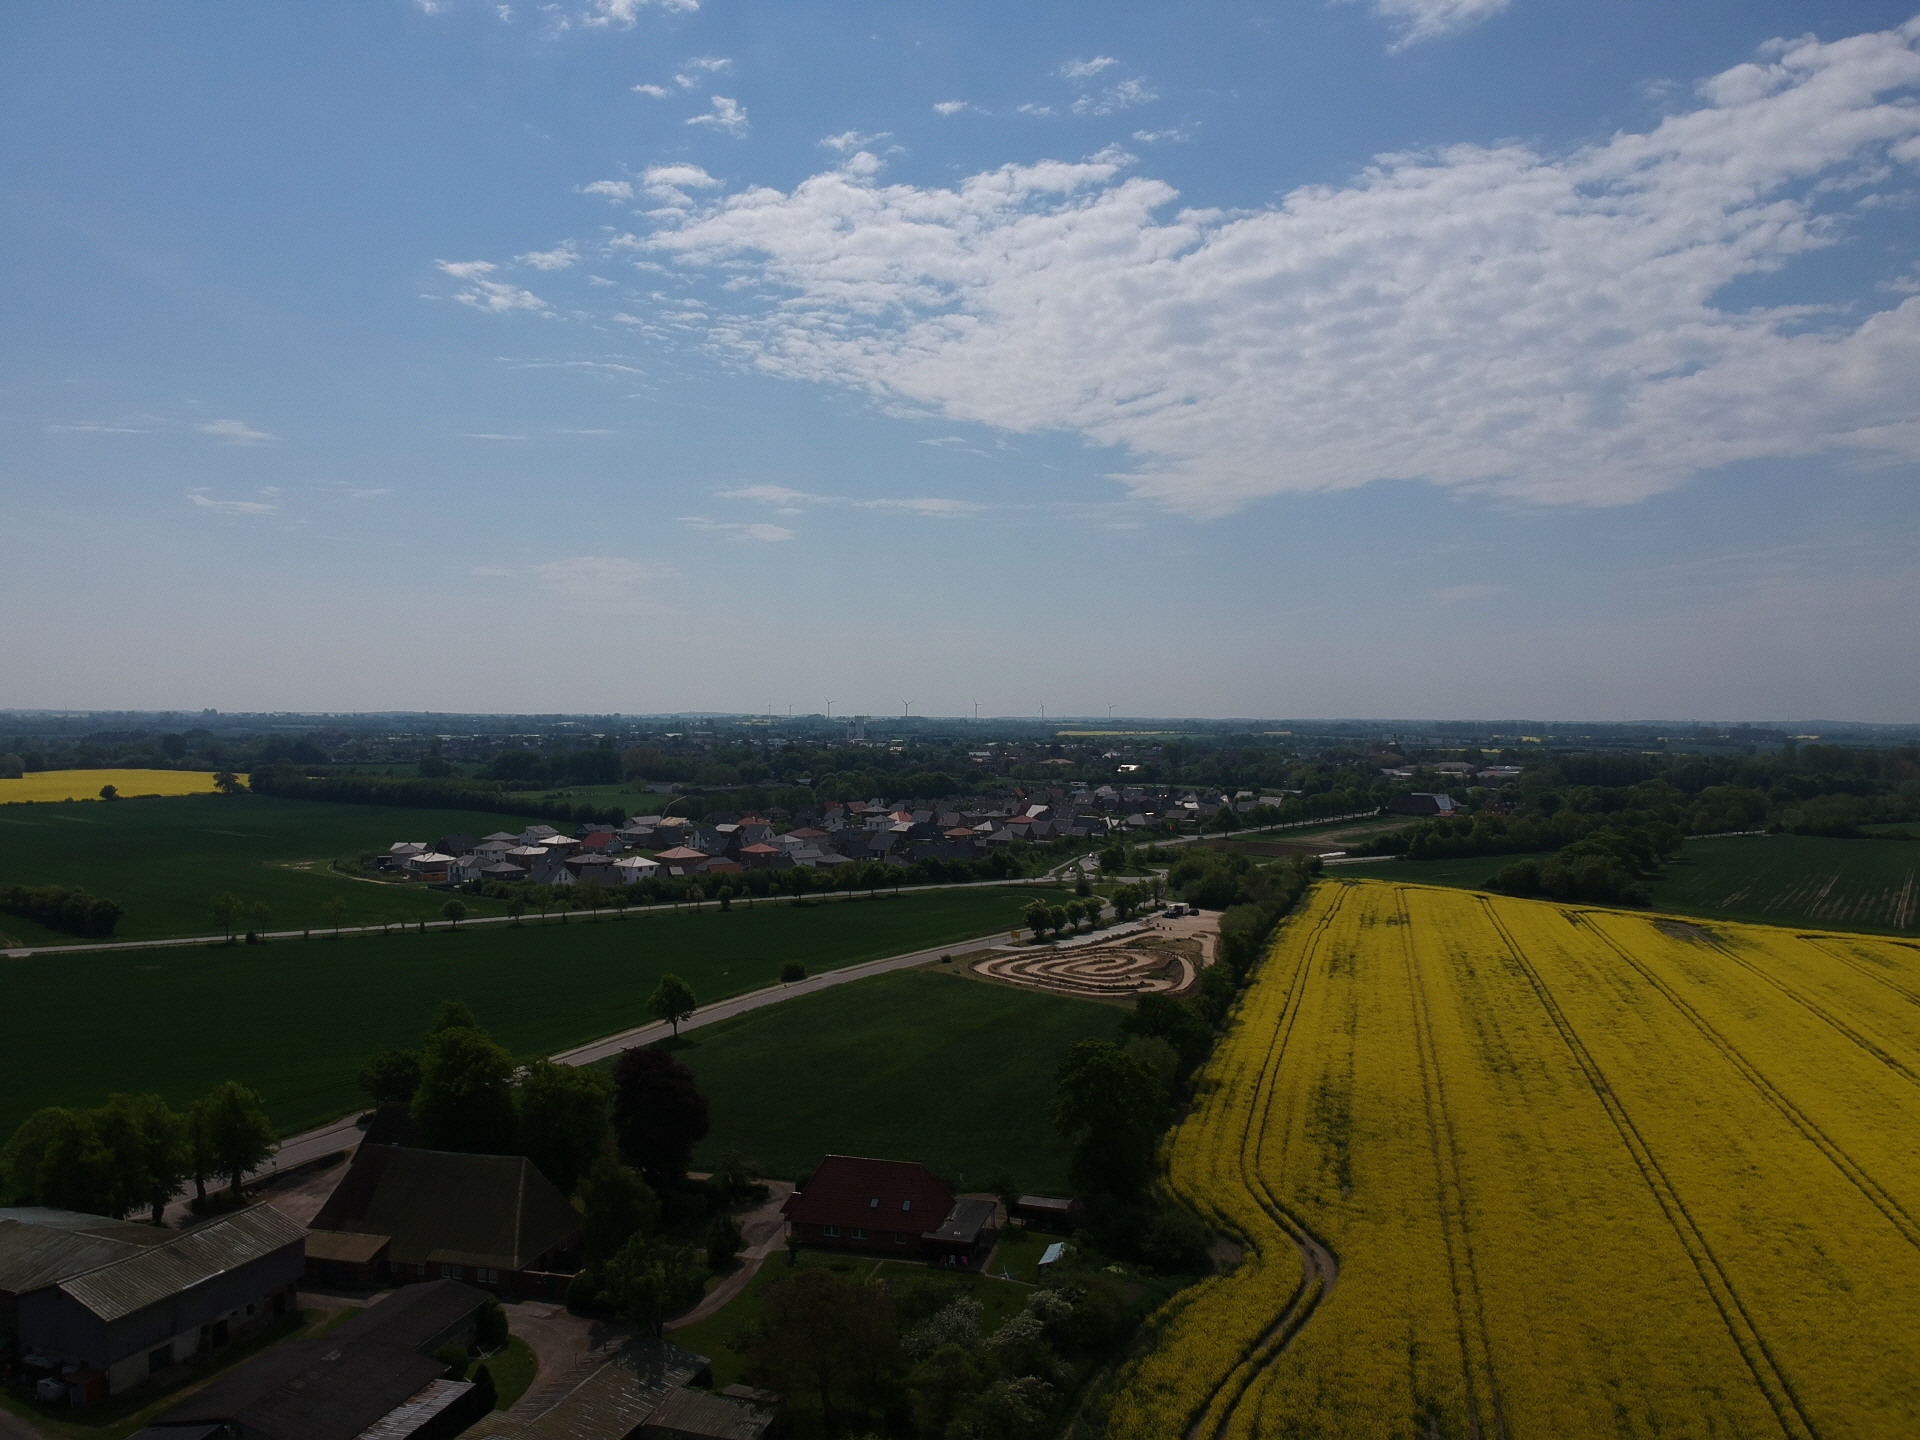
x: 899, y: 1237
x: 906, y: 1205
x: 859, y: 1232
x: 874, y: 1204
x: 834, y: 1230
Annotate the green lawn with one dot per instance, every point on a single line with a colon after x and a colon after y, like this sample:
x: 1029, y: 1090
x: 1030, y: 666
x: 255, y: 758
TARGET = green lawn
x: 1869, y: 885
x: 162, y: 858
x: 715, y: 1336
x: 296, y: 1019
x: 513, y: 1371
x: 916, y: 1065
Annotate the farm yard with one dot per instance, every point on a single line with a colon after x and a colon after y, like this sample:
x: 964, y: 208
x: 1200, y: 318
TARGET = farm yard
x: 1584, y: 1172
x: 296, y: 1019
x: 915, y: 1065
x: 1865, y: 885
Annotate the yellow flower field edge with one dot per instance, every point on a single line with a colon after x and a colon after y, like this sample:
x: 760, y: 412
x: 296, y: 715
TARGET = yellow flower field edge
x: 1588, y: 1172
x: 47, y: 786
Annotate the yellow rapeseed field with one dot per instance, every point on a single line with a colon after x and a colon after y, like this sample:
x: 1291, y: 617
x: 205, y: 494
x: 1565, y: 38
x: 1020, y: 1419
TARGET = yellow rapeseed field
x: 1585, y: 1172
x: 46, y: 785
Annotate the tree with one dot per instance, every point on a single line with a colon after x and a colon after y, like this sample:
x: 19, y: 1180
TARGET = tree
x: 652, y: 1278
x: 1057, y: 917
x: 334, y: 912
x: 672, y: 1000
x: 659, y: 1114
x: 1111, y: 1106
x: 150, y: 1147
x: 455, y: 911
x: 563, y: 1119
x: 453, y: 1015
x: 939, y: 1385
x: 391, y: 1076
x: 465, y: 1099
x: 1038, y: 918
x: 516, y: 907
x: 791, y: 972
x: 822, y: 1332
x: 227, y: 909
x: 109, y: 792
x: 1177, y: 1022
x: 616, y: 1205
x: 55, y: 1158
x: 724, y: 1241
x: 239, y: 1136
x: 227, y: 783
x: 1074, y: 912
x: 259, y: 916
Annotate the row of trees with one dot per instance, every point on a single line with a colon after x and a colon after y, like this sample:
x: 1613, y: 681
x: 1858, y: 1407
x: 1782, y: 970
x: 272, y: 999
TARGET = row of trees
x: 70, y: 911
x: 134, y: 1152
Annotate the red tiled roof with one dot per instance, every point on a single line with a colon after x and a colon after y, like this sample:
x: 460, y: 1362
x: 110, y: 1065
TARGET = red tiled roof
x: 759, y: 850
x: 680, y: 852
x: 597, y: 839
x: 879, y: 1194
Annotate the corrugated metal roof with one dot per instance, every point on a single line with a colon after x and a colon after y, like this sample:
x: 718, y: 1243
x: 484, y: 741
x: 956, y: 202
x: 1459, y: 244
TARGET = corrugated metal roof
x: 412, y: 1417
x: 43, y: 1247
x: 134, y: 1282
x: 694, y: 1412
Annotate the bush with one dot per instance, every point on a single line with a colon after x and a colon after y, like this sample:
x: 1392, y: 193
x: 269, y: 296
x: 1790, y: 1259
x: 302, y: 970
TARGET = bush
x: 724, y: 1242
x: 454, y: 1357
x: 791, y: 971
x: 490, y: 1326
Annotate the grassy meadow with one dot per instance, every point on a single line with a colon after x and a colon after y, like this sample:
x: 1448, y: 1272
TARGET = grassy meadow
x: 1868, y: 885
x: 1586, y: 1173
x: 295, y: 1019
x: 923, y: 1065
x: 161, y: 859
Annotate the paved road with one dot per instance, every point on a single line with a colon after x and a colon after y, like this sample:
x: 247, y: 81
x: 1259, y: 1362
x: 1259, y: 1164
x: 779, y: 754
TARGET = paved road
x: 174, y: 942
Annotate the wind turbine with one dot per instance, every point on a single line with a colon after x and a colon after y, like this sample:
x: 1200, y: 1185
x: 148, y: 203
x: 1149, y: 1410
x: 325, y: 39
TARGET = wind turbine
x: 906, y: 708
x: 829, y: 709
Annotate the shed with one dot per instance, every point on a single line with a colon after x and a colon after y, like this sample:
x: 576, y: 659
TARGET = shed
x: 964, y: 1238
x: 1046, y: 1212
x: 342, y: 1258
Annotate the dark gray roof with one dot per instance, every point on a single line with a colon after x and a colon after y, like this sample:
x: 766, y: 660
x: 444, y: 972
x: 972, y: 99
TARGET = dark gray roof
x: 146, y: 1277
x: 696, y: 1413
x: 40, y: 1247
x: 335, y: 1386
x: 964, y: 1222
x: 496, y: 1211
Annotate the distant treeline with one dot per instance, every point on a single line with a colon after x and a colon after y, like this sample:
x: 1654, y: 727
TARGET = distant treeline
x: 73, y: 912
x: 439, y: 794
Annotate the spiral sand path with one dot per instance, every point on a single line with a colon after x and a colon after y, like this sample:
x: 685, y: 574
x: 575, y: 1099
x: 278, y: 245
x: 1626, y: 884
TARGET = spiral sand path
x: 1095, y: 972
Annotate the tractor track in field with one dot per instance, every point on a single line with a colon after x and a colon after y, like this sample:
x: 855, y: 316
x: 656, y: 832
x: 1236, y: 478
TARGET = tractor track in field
x: 1870, y: 1189
x: 1826, y: 945
x: 1462, y: 1273
x: 1879, y: 1052
x: 1745, y: 1334
x: 1320, y: 1271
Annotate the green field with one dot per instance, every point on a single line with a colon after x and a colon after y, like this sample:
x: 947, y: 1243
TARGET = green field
x: 161, y: 859
x: 917, y: 1065
x: 295, y: 1019
x: 1870, y: 885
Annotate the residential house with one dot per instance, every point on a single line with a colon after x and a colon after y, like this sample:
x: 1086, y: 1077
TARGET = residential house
x: 374, y: 1377
x: 631, y: 869
x: 537, y: 834
x: 883, y: 1206
x: 82, y: 1292
x: 490, y: 1220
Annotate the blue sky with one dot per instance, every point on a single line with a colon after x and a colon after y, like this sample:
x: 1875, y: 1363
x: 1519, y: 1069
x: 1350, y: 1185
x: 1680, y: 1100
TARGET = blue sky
x: 1432, y: 357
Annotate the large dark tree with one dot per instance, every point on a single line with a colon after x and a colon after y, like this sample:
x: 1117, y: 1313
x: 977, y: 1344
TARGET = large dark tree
x: 238, y: 1134
x: 563, y: 1120
x: 821, y: 1332
x: 1111, y: 1105
x: 616, y: 1205
x: 659, y: 1114
x: 465, y: 1099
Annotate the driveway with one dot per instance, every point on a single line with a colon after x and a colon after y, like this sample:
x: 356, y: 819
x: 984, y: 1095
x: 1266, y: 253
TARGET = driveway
x: 765, y: 1229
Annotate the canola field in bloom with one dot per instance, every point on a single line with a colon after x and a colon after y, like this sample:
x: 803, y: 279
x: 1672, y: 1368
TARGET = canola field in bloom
x: 41, y: 786
x: 1549, y: 1170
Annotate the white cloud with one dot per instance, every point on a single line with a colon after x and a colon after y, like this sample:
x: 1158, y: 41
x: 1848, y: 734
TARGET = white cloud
x: 930, y: 506
x: 658, y: 92
x: 793, y: 502
x: 848, y: 141
x: 787, y: 501
x: 601, y: 580
x: 734, y: 530
x: 1154, y: 137
x: 1030, y: 108
x: 710, y: 64
x: 727, y: 115
x: 489, y: 435
x: 1085, y: 69
x: 669, y: 183
x: 561, y: 257
x: 1123, y: 96
x: 624, y: 12
x: 950, y: 107
x: 234, y: 432
x: 491, y: 296
x: 1533, y: 325
x: 199, y: 497
x: 1418, y: 20
x: 612, y: 189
